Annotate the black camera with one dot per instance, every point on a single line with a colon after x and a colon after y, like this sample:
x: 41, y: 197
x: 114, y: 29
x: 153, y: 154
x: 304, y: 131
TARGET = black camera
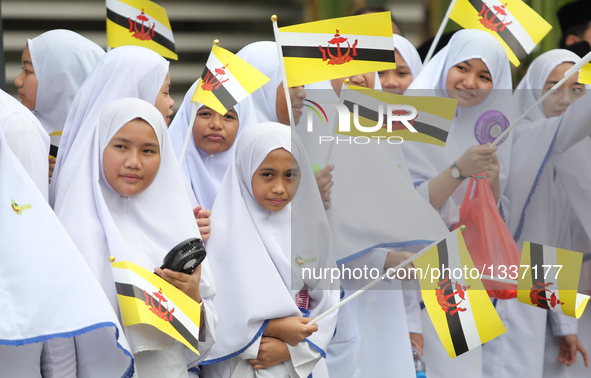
x: 185, y: 257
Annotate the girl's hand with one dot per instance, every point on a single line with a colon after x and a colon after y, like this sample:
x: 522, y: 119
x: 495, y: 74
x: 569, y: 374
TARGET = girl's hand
x: 203, y: 222
x: 291, y: 329
x: 492, y: 174
x: 51, y: 167
x: 187, y: 283
x: 272, y: 351
x: 476, y: 159
x: 324, y: 181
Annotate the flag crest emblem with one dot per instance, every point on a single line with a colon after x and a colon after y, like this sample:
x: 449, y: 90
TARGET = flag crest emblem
x: 144, y: 35
x: 489, y: 22
x: 339, y: 58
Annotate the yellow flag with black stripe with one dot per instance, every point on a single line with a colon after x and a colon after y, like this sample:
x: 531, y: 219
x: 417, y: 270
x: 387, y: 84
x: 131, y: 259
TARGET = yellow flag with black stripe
x: 140, y: 23
x: 585, y: 74
x: 145, y: 298
x: 549, y: 279
x: 512, y: 22
x: 428, y: 119
x: 335, y: 48
x: 455, y: 298
x: 226, y: 80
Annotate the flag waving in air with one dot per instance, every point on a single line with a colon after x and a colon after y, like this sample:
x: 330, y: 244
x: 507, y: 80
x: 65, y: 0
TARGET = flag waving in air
x: 226, y: 80
x: 140, y: 23
x: 145, y: 298
x: 549, y: 279
x: 585, y: 74
x: 432, y: 120
x: 335, y: 48
x: 458, y: 304
x: 518, y: 27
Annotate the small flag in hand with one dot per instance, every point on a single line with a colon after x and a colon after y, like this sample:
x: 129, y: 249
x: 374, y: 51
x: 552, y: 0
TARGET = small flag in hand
x: 140, y: 23
x: 549, y: 279
x: 585, y: 74
x: 226, y: 80
x: 518, y: 27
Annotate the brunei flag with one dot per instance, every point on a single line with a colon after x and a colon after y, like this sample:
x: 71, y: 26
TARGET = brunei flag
x: 226, y: 80
x: 585, y: 74
x: 140, y: 23
x: 518, y: 27
x: 549, y: 279
x: 335, y: 48
x: 457, y: 303
x: 428, y: 119
x: 145, y: 298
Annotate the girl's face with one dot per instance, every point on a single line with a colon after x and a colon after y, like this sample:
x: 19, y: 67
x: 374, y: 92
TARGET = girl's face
x: 276, y: 180
x: 26, y: 81
x: 297, y: 95
x: 214, y: 133
x: 397, y: 80
x: 164, y: 102
x: 132, y: 158
x: 555, y: 104
x: 469, y: 82
x: 366, y: 80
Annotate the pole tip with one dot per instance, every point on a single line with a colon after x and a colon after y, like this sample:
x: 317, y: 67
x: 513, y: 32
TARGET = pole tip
x: 112, y: 259
x: 463, y: 228
x: 274, y: 18
x: 216, y: 42
x: 347, y: 81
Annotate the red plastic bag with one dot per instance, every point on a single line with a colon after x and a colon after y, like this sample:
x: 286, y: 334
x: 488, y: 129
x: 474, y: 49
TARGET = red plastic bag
x: 489, y: 241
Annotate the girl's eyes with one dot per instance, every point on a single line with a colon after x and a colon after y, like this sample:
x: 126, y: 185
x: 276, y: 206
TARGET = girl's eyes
x: 485, y: 78
x: 120, y: 147
x: 204, y: 114
x: 149, y: 151
x: 381, y: 73
x: 578, y: 90
x: 461, y: 68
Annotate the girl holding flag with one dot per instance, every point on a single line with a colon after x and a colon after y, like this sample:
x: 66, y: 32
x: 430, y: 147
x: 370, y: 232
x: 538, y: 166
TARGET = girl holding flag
x: 267, y: 213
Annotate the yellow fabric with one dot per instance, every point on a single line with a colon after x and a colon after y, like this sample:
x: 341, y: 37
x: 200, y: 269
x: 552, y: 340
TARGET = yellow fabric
x: 585, y: 74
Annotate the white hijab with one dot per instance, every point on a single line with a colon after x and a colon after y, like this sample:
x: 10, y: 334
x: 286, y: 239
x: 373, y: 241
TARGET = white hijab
x: 205, y: 171
x: 127, y: 71
x: 409, y: 53
x: 26, y: 138
x: 547, y: 213
x: 48, y: 290
x: 62, y: 61
x: 264, y: 57
x: 427, y: 161
x: 141, y: 229
x: 253, y: 249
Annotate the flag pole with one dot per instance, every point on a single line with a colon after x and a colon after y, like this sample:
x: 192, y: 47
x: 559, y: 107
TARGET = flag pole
x: 586, y: 59
x: 439, y: 32
x: 282, y: 64
x: 372, y: 284
x: 216, y: 42
x: 336, y: 122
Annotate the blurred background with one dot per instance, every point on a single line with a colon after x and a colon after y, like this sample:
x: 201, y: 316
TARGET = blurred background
x: 236, y: 23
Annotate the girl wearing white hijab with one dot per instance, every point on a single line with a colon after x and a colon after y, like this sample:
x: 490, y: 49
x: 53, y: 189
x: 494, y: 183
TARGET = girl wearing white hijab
x: 61, y: 60
x: 408, y: 66
x: 56, y: 321
x: 541, y: 212
x: 26, y: 138
x: 127, y: 71
x: 262, y: 242
x: 127, y: 199
x: 474, y: 69
x: 205, y: 167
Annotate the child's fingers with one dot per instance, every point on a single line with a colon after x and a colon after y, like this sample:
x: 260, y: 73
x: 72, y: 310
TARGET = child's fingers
x: 168, y: 274
x: 196, y: 211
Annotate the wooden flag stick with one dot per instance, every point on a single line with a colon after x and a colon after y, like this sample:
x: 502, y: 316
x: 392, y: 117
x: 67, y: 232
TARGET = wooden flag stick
x: 336, y: 122
x: 282, y: 64
x: 574, y: 69
x: 439, y: 32
x: 372, y: 284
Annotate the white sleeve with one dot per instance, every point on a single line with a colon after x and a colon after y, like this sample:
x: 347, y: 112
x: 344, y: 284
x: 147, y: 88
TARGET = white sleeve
x: 449, y: 212
x: 303, y: 360
x: 574, y: 125
x: 58, y: 359
x: 30, y: 143
x: 561, y: 324
x: 412, y: 307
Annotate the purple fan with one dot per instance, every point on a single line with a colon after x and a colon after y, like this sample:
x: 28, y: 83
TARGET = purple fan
x: 489, y: 126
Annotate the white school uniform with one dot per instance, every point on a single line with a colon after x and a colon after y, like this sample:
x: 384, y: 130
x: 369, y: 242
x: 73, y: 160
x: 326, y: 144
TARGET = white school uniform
x: 140, y: 229
x: 256, y: 254
x: 56, y: 319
